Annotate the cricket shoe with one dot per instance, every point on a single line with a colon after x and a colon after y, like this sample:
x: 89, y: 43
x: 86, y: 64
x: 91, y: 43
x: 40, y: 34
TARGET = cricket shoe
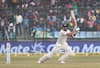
x: 39, y: 62
x: 62, y: 62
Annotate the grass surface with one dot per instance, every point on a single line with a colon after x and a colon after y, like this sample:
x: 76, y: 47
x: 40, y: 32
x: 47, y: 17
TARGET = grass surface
x: 78, y: 61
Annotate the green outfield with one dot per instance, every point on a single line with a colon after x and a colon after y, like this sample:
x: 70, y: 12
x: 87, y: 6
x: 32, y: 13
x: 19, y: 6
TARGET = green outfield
x: 78, y: 61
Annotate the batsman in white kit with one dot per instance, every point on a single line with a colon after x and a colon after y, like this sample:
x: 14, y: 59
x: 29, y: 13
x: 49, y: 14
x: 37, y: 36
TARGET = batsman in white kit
x: 61, y: 44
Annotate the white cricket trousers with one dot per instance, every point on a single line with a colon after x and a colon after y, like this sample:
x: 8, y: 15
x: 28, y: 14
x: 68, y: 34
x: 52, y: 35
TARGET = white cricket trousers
x: 67, y: 52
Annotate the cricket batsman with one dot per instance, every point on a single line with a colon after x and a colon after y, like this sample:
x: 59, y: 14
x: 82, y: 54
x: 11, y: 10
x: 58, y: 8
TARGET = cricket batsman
x: 61, y: 43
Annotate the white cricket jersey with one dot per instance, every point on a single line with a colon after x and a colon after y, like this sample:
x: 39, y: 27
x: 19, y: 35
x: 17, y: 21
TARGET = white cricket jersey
x: 62, y: 36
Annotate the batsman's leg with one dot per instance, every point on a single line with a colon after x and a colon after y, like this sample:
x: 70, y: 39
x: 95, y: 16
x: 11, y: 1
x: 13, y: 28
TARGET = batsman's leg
x: 68, y: 53
x: 47, y: 56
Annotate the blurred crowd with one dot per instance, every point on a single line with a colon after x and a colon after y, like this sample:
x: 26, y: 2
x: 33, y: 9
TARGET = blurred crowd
x: 25, y: 17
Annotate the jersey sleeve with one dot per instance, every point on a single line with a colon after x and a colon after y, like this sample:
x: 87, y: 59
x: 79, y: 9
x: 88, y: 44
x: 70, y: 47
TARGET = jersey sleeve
x: 65, y: 32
